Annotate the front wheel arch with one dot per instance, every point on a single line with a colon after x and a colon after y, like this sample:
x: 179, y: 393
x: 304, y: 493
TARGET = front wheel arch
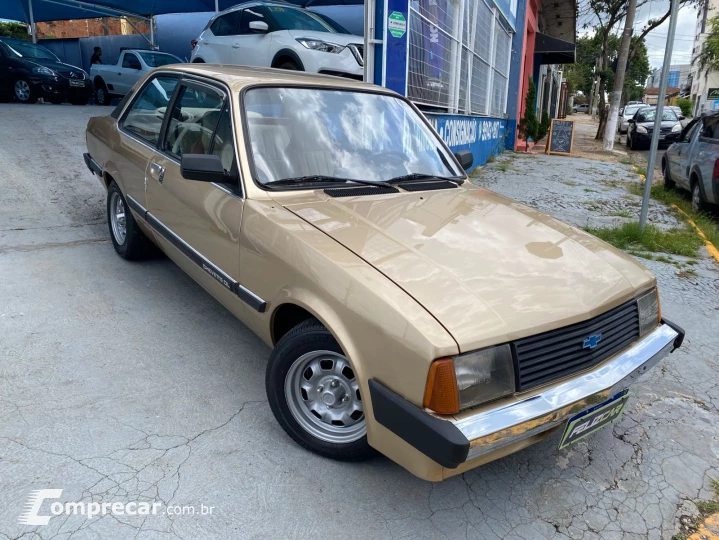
x: 285, y: 55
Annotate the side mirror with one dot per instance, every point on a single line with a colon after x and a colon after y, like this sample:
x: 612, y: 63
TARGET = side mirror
x: 259, y: 26
x: 203, y: 168
x: 681, y: 117
x: 630, y: 121
x: 465, y: 158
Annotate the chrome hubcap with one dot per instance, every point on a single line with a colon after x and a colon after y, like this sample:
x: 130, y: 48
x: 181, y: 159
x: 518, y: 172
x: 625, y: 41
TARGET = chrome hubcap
x: 22, y: 90
x: 323, y: 396
x: 696, y: 199
x: 117, y: 218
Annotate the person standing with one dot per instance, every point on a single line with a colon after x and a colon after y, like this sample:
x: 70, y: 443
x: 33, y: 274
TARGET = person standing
x: 95, y: 58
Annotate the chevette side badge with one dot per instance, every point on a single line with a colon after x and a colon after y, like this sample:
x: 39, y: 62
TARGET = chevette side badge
x: 217, y: 276
x: 591, y: 341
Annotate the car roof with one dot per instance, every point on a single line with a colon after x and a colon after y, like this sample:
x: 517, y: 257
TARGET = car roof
x: 238, y: 77
x: 251, y: 3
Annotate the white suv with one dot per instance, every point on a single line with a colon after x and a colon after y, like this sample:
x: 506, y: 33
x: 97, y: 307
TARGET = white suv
x: 276, y: 34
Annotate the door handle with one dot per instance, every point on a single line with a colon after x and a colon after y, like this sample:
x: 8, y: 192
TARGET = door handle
x: 235, y: 45
x: 157, y: 171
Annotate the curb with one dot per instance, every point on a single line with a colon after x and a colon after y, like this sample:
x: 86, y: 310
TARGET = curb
x: 709, y: 530
x: 713, y: 251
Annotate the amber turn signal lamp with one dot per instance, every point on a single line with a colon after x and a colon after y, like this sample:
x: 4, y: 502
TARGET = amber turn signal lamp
x: 441, y: 395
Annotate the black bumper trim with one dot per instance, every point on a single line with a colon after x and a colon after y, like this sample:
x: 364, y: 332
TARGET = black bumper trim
x: 437, y: 439
x: 679, y: 330
x: 92, y: 165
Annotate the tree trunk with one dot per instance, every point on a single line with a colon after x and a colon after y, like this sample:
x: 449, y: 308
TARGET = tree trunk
x: 613, y: 114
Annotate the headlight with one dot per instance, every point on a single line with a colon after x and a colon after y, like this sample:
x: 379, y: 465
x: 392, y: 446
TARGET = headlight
x: 460, y: 382
x: 42, y: 70
x: 641, y: 129
x: 649, y: 312
x: 677, y: 128
x: 323, y: 46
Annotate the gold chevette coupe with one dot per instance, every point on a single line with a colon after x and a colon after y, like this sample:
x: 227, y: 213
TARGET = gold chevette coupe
x: 409, y: 311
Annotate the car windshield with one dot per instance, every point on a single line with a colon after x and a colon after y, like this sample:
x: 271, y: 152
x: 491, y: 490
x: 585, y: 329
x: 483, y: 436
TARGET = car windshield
x: 299, y: 132
x: 288, y: 18
x: 629, y: 111
x: 30, y: 50
x: 153, y: 59
x: 649, y: 115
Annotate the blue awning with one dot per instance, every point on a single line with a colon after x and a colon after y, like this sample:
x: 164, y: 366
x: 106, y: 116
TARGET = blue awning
x: 62, y: 10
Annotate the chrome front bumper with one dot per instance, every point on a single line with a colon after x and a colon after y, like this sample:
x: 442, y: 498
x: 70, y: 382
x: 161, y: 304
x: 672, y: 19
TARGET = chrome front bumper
x: 496, y: 428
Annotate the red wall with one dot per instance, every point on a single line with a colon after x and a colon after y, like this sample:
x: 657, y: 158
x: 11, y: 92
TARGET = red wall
x: 528, y: 58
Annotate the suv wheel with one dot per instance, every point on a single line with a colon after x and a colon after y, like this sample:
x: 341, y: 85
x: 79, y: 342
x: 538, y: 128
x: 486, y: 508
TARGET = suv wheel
x: 24, y: 92
x: 291, y: 65
x: 127, y: 238
x: 698, y: 203
x: 668, y: 182
x: 314, y: 394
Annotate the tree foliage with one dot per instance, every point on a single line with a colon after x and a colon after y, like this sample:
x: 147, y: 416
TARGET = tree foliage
x: 686, y: 105
x: 529, y: 125
x: 543, y: 125
x: 13, y: 30
x: 708, y: 59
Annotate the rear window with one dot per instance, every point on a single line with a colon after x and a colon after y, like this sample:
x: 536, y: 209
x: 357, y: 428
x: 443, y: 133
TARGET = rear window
x: 226, y: 25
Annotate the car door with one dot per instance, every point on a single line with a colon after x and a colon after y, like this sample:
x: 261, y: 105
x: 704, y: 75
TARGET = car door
x: 706, y: 155
x: 128, y: 73
x: 679, y: 154
x: 140, y: 127
x: 216, y: 46
x: 198, y: 223
x: 251, y: 47
x: 5, y: 87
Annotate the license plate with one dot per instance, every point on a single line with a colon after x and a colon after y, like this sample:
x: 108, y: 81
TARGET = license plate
x: 661, y: 137
x: 77, y: 83
x: 593, y: 419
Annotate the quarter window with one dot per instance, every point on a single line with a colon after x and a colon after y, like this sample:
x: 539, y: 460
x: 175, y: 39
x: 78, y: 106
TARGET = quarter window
x: 226, y: 25
x: 194, y: 118
x: 145, y: 116
x: 711, y: 130
x: 130, y: 61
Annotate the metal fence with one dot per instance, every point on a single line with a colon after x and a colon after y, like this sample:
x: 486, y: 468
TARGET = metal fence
x: 468, y: 75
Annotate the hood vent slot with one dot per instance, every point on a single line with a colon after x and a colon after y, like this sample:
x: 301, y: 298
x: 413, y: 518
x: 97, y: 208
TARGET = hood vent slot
x: 427, y: 186
x: 365, y: 190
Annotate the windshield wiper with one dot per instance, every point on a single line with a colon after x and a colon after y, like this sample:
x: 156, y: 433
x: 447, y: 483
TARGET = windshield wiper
x: 422, y: 176
x: 323, y: 178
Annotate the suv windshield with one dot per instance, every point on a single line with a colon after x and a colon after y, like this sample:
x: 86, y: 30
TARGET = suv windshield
x: 300, y: 132
x: 29, y: 50
x: 287, y: 18
x: 159, y: 59
x: 649, y: 115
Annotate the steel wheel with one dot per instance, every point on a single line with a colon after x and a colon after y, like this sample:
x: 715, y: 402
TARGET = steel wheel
x: 118, y: 219
x: 323, y: 396
x: 697, y: 201
x: 101, y: 96
x: 22, y: 90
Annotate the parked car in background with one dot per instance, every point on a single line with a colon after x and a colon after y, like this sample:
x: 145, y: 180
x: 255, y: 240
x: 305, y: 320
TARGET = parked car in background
x: 113, y: 80
x: 641, y: 127
x: 692, y: 162
x: 374, y: 268
x: 276, y: 34
x: 584, y: 107
x: 677, y: 111
x: 29, y: 71
x: 627, y: 114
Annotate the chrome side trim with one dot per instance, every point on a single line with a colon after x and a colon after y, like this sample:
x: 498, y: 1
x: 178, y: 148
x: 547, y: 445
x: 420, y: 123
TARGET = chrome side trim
x: 495, y: 428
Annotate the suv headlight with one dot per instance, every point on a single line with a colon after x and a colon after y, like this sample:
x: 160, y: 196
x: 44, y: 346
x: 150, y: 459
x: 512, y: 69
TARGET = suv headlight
x: 42, y: 70
x: 650, y: 312
x: 677, y: 128
x: 466, y: 380
x: 641, y: 129
x: 324, y: 46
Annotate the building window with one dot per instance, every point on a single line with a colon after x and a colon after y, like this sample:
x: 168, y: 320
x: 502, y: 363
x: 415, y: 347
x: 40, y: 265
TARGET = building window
x: 459, y: 55
x: 673, y: 79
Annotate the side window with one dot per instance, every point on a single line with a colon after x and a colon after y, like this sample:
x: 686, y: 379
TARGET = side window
x: 689, y: 131
x: 223, y: 144
x: 710, y: 130
x: 226, y: 25
x: 249, y: 15
x: 145, y: 115
x: 194, y: 118
x: 130, y: 61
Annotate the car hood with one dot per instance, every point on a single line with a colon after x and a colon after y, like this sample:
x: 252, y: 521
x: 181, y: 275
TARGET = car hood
x: 52, y: 64
x: 339, y: 39
x: 487, y: 268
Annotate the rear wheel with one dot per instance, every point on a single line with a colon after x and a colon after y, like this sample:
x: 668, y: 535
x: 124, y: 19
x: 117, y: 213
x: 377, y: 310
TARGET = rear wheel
x: 129, y: 241
x: 668, y: 182
x: 24, y: 91
x: 629, y: 141
x: 698, y: 203
x: 314, y: 394
x: 198, y: 61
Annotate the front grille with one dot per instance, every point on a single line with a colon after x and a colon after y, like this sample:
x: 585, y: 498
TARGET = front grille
x: 551, y: 355
x: 72, y: 74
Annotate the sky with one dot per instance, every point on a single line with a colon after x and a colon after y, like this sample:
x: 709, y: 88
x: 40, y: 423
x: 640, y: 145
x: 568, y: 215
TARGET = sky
x: 656, y: 40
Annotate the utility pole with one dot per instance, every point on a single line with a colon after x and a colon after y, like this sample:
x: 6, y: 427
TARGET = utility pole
x: 659, y: 113
x: 611, y: 127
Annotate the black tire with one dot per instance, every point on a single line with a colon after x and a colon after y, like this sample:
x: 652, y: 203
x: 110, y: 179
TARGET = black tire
x: 198, y: 61
x: 31, y: 93
x: 698, y: 202
x: 102, y: 96
x: 307, y: 337
x: 135, y: 245
x: 668, y: 182
x: 629, y: 142
x: 290, y: 65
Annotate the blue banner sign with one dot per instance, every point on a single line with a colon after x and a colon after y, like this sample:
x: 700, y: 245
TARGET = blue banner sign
x: 484, y: 137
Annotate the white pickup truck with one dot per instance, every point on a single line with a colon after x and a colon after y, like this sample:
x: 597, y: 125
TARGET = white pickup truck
x: 117, y: 79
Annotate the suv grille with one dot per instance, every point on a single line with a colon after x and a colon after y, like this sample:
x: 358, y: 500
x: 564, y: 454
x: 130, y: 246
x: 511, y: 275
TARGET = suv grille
x: 558, y: 353
x: 72, y: 74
